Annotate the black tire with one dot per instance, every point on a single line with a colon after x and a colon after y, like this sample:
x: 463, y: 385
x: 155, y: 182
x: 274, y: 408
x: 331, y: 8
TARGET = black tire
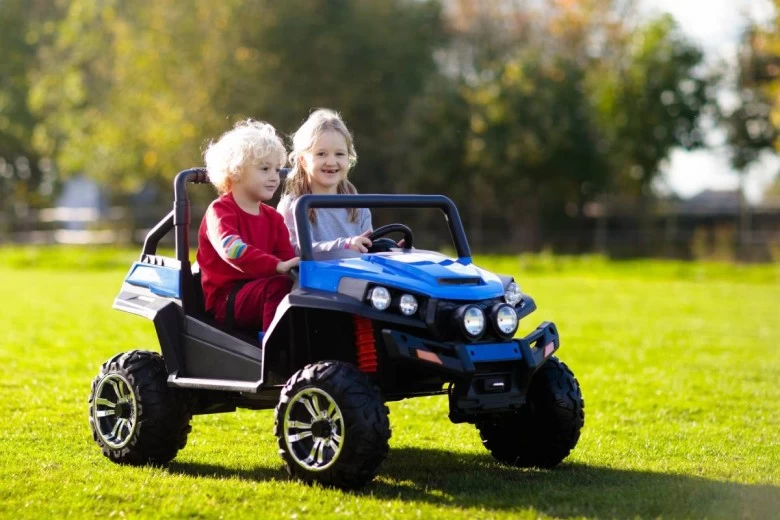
x: 547, y: 428
x: 333, y: 414
x: 134, y: 416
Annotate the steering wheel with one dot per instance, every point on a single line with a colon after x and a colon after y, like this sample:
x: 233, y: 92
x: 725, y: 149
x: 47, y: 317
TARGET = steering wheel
x: 378, y: 243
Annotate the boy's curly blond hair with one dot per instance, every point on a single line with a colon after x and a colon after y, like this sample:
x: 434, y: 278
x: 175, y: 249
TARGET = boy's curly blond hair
x: 249, y: 142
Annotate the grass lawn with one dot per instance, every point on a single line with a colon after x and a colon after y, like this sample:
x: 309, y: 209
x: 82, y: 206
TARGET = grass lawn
x: 679, y: 365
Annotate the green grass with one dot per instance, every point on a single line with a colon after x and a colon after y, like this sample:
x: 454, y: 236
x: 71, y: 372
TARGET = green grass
x: 679, y: 365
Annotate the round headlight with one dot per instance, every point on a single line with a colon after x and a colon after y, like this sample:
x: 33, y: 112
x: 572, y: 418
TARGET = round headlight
x: 473, y: 321
x: 379, y: 298
x: 512, y: 294
x: 408, y: 304
x: 505, y: 320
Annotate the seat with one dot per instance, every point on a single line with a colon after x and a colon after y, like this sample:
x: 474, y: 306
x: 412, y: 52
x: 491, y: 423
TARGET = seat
x: 200, y: 301
x: 249, y: 335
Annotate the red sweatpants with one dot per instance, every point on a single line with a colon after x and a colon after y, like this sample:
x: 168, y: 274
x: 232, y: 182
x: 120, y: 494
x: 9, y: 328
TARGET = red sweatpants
x: 256, y: 302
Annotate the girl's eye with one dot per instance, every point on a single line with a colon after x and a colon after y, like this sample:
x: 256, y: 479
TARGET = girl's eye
x: 320, y: 154
x: 341, y: 154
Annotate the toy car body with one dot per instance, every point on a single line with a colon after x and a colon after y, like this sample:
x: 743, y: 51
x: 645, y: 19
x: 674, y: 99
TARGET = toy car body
x: 356, y: 331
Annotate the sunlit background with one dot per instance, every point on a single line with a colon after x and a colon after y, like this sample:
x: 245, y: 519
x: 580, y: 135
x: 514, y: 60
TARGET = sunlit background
x: 626, y: 127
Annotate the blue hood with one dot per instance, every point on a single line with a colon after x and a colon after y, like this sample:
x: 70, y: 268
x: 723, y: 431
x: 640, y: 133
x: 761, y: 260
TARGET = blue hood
x: 423, y: 272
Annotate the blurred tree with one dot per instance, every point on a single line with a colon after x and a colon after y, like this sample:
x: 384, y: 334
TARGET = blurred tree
x: 368, y: 59
x: 131, y: 91
x: 753, y: 124
x: 563, y: 103
x: 125, y: 92
x: 648, y: 99
x: 25, y: 175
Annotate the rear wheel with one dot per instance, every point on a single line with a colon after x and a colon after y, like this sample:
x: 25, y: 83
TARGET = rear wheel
x: 332, y: 425
x: 546, y: 429
x: 134, y: 416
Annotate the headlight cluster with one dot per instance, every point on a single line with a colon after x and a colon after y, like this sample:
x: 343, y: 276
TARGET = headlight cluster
x: 513, y: 294
x: 380, y: 299
x: 472, y: 320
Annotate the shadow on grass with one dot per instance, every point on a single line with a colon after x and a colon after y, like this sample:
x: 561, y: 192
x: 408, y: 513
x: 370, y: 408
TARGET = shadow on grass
x: 571, y: 490
x: 195, y: 469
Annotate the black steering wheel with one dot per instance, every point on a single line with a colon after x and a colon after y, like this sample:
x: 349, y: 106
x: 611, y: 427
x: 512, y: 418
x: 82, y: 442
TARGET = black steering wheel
x: 378, y: 243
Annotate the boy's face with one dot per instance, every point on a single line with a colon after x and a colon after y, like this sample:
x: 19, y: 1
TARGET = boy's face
x: 327, y: 163
x: 259, y: 181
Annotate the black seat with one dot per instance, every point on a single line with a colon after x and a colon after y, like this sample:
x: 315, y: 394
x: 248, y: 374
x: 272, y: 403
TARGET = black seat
x: 248, y: 335
x: 200, y: 301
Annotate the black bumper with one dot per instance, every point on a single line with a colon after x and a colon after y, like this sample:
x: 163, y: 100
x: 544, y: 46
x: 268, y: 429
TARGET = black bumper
x: 488, y: 378
x: 464, y: 359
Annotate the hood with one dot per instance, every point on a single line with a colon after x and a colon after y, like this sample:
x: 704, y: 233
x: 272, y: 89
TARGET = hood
x: 422, y: 272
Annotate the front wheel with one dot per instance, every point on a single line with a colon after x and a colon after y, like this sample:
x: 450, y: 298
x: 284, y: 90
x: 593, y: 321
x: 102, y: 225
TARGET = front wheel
x: 134, y: 416
x: 546, y: 429
x: 332, y: 425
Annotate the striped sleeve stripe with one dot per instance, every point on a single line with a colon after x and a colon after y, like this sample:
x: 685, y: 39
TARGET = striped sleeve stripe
x: 233, y: 246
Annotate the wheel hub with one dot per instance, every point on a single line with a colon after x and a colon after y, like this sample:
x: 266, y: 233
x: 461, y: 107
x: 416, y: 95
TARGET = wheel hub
x: 314, y: 429
x: 114, y: 410
x: 321, y: 429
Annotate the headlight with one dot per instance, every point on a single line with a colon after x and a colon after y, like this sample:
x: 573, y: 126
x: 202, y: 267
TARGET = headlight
x: 473, y: 320
x: 379, y: 298
x: 408, y: 304
x: 504, y: 319
x: 512, y: 294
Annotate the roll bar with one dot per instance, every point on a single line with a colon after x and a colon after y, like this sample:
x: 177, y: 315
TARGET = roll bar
x: 303, y: 227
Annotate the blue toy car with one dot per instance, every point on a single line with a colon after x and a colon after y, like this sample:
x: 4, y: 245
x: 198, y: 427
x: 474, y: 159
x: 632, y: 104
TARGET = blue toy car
x: 357, y: 330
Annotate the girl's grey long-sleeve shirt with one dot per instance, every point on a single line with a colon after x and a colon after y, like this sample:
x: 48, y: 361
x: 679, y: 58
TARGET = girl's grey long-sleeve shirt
x: 332, y: 229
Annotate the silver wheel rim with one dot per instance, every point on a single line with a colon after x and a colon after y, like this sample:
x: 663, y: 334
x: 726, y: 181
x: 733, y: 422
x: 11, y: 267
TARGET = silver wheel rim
x: 114, y: 411
x: 314, y: 429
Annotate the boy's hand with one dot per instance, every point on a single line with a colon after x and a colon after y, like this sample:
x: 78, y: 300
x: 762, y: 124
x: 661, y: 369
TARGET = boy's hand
x: 285, y: 266
x: 360, y: 243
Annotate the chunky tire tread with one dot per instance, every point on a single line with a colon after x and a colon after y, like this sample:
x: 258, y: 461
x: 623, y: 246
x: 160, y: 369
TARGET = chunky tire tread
x: 163, y: 416
x: 365, y: 420
x: 545, y: 431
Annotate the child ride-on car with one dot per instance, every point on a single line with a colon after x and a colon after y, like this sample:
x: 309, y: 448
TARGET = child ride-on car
x: 356, y: 331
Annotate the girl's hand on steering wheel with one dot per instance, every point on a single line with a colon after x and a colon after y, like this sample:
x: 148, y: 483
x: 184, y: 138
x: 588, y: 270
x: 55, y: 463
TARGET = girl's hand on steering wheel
x: 360, y: 243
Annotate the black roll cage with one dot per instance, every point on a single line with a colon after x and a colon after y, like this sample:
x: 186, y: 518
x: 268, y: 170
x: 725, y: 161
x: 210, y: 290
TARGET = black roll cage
x: 179, y: 220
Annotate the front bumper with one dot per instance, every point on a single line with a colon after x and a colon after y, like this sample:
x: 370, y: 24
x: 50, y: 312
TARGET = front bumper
x: 464, y: 359
x: 488, y: 377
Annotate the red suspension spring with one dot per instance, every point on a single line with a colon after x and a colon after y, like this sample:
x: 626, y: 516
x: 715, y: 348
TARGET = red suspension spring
x: 364, y: 342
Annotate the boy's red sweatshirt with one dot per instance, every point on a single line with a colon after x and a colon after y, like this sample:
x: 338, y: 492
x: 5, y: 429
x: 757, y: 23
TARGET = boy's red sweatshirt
x: 234, y: 245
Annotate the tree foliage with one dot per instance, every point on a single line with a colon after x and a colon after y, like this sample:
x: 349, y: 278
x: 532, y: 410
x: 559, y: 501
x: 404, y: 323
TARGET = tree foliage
x: 132, y: 91
x: 520, y: 111
x: 555, y: 107
x: 753, y: 125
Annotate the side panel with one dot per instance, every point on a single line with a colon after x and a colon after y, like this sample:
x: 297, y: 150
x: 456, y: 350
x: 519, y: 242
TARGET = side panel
x: 210, y: 353
x: 166, y: 314
x: 190, y: 347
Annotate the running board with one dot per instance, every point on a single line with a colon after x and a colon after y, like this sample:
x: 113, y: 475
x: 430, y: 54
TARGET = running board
x: 225, y: 385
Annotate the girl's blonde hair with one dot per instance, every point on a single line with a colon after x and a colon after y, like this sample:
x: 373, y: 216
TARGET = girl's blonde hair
x: 297, y: 183
x: 248, y: 143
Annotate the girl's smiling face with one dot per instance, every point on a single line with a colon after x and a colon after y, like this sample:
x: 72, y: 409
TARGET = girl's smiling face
x: 327, y: 162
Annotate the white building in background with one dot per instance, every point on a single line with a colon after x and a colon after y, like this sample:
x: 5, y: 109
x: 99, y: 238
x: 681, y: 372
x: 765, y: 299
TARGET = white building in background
x: 80, y: 203
x: 78, y: 213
